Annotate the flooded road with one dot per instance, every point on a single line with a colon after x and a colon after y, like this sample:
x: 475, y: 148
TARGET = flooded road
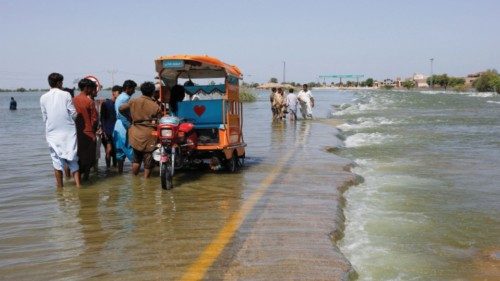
x: 276, y: 219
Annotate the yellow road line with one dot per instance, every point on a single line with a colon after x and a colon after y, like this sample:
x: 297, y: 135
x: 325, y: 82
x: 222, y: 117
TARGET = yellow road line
x: 198, y: 269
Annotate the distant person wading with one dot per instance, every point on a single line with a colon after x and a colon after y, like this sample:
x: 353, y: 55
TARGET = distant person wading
x: 306, y: 101
x: 13, y: 104
x: 271, y: 100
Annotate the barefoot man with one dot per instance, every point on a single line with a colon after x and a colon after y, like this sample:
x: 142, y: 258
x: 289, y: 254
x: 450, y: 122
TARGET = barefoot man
x: 59, y: 114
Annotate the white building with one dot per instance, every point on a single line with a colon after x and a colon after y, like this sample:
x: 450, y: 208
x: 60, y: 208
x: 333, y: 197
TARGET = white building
x: 420, y: 80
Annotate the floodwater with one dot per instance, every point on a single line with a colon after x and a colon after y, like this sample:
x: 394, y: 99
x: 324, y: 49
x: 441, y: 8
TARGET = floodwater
x: 429, y: 208
x: 121, y: 227
x: 426, y: 205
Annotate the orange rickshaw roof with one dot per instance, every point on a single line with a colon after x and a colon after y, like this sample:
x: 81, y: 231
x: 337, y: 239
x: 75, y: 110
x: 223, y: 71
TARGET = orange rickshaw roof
x: 204, y: 59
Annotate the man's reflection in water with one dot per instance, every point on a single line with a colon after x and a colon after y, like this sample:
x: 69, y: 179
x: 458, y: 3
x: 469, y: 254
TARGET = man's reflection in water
x: 134, y: 230
x: 304, y: 131
x: 92, y: 209
x: 278, y: 134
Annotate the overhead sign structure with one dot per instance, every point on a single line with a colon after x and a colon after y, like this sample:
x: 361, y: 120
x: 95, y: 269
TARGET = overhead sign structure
x: 340, y: 76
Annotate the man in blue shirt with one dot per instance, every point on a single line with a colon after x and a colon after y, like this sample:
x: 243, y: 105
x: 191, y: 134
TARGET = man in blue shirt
x: 122, y: 147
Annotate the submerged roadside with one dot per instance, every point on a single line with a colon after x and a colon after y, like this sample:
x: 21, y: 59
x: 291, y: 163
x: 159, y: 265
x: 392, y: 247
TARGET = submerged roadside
x: 291, y: 233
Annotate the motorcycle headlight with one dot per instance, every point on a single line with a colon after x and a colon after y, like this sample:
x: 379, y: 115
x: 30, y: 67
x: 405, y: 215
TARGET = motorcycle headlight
x: 166, y: 133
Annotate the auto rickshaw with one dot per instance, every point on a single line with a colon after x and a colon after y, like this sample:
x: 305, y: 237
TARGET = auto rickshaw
x: 205, y: 118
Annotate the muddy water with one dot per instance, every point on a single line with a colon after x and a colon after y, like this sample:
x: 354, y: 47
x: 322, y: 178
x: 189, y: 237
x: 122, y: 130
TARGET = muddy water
x: 120, y: 227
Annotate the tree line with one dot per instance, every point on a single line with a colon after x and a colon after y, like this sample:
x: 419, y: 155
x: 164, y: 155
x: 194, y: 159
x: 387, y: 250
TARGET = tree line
x: 488, y: 81
x: 22, y: 90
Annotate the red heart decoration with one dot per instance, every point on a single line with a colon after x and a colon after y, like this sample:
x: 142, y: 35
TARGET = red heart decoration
x: 199, y: 110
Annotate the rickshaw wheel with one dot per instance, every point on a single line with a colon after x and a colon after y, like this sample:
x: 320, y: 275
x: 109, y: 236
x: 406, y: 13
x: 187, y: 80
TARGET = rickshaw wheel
x: 241, y: 160
x: 166, y: 176
x: 232, y: 164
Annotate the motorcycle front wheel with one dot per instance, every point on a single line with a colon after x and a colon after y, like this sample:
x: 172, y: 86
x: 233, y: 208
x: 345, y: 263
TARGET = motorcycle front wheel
x: 166, y: 175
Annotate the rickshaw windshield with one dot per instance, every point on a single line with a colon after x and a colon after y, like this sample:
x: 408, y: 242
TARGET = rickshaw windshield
x: 203, y: 89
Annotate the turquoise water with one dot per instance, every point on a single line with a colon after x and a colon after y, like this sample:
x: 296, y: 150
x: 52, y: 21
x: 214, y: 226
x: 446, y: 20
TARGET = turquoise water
x: 429, y: 208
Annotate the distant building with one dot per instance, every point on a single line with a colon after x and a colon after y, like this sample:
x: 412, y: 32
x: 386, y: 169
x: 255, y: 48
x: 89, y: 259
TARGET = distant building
x: 388, y: 82
x: 420, y: 80
x: 471, y: 78
x: 398, y: 83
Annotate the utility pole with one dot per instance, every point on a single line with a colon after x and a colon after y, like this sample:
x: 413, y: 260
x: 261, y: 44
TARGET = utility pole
x: 112, y: 72
x: 284, y: 69
x: 432, y: 78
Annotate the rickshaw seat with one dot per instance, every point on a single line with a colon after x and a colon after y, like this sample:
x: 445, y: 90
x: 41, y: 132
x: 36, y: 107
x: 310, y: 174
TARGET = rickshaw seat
x: 203, y: 113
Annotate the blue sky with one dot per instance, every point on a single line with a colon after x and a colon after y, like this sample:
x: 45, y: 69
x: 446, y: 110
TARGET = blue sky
x: 380, y: 39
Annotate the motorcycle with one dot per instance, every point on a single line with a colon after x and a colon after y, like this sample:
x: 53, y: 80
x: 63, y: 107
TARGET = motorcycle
x: 177, y: 141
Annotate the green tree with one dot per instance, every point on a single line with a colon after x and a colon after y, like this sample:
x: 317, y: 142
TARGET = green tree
x: 408, y: 84
x: 488, y: 81
x: 432, y: 80
x: 369, y: 82
x: 443, y: 81
x: 21, y: 90
x: 273, y: 80
x: 456, y: 81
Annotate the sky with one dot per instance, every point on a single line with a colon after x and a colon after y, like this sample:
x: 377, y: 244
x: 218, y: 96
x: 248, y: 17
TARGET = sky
x: 379, y: 39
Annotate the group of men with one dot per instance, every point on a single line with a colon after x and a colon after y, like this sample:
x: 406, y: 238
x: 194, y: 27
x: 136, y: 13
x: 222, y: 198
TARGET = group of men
x: 282, y: 105
x: 73, y: 126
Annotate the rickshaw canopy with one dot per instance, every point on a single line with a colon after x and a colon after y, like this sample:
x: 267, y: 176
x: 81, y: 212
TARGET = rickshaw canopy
x: 194, y: 66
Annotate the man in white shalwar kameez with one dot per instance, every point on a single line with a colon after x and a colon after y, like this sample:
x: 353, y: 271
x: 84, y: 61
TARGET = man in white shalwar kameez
x: 306, y: 101
x: 58, y: 113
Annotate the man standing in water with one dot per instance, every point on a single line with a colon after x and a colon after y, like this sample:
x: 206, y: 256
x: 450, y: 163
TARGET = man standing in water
x: 144, y: 112
x: 59, y: 114
x: 279, y: 105
x: 306, y: 102
x: 120, y: 138
x: 13, y: 104
x: 86, y: 125
x: 108, y: 120
x: 271, y: 99
x: 291, y: 103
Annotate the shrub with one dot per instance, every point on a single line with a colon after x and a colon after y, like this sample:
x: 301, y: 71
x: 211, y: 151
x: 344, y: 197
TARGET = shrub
x: 488, y: 81
x: 247, y: 95
x: 461, y: 88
